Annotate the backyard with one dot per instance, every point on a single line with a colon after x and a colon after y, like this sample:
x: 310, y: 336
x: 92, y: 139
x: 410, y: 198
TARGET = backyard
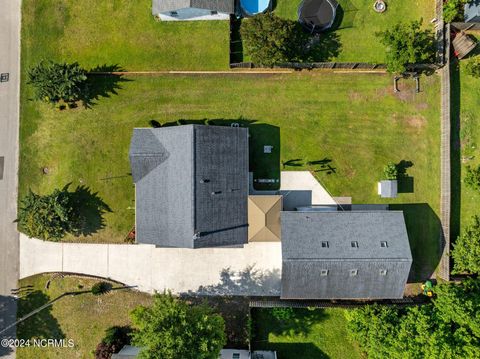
x: 82, y: 318
x: 352, y: 122
x: 357, y: 22
x: 306, y: 333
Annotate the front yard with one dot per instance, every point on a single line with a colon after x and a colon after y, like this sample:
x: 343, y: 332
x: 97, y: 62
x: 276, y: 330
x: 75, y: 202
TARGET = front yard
x: 357, y: 22
x: 353, y: 122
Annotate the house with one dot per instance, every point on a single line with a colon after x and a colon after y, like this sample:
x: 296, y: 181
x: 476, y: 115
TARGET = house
x: 264, y: 218
x: 178, y: 10
x: 344, y: 255
x: 191, y: 185
x: 472, y: 11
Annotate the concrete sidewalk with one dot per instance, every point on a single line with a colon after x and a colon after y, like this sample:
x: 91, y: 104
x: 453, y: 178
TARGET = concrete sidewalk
x: 252, y: 270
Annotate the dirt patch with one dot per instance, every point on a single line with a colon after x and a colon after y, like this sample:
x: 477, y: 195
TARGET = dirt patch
x: 356, y: 96
x: 416, y: 121
x: 405, y: 95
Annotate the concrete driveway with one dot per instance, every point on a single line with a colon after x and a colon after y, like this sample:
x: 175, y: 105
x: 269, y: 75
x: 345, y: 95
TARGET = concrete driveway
x: 252, y: 270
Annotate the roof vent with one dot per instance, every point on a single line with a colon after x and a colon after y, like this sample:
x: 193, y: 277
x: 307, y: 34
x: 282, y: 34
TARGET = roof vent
x: 324, y: 244
x: 383, y: 244
x: 324, y: 272
x: 204, y: 180
x: 353, y: 272
x: 216, y: 192
x: 354, y: 244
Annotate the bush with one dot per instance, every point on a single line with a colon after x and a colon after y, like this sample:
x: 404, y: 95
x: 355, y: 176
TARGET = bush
x: 104, y: 351
x: 473, y: 67
x: 271, y: 40
x: 472, y: 178
x: 115, y: 338
x: 101, y: 288
x: 466, y: 249
x: 453, y: 10
x: 390, y: 171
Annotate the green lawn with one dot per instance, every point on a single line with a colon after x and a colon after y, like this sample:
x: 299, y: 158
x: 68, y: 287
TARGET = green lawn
x: 466, y: 142
x: 358, y: 23
x: 83, y: 318
x: 353, y: 121
x: 119, y: 32
x: 319, y: 334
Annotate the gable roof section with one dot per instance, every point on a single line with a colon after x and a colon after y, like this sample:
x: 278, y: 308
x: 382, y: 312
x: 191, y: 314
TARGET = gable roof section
x: 311, y: 270
x: 264, y: 218
x: 191, y: 185
x: 225, y: 6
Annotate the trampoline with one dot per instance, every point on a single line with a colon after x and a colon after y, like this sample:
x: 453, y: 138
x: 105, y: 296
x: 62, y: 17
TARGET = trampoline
x: 317, y: 15
x: 253, y: 7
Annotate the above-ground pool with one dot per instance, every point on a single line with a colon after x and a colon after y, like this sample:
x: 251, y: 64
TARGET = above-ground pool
x: 252, y: 7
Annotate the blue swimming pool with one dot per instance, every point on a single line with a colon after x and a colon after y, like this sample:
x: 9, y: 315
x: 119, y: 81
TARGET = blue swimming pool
x: 252, y: 7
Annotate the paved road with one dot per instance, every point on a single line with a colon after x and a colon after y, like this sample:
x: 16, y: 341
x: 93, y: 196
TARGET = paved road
x: 9, y: 107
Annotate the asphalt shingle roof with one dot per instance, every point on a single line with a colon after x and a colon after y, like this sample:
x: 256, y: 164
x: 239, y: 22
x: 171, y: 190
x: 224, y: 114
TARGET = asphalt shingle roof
x: 320, y: 249
x: 191, y: 185
x: 225, y: 6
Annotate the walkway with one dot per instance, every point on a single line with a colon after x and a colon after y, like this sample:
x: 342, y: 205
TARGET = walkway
x: 9, y: 105
x: 251, y: 270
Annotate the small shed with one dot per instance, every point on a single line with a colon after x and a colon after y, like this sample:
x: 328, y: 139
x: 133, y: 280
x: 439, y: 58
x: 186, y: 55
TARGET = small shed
x: 463, y: 44
x: 388, y: 188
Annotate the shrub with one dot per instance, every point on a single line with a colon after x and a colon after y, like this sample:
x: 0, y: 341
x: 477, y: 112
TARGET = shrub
x: 390, y: 171
x: 100, y: 288
x: 472, y: 178
x: 453, y: 10
x: 115, y: 338
x: 282, y: 314
x: 466, y: 249
x: 473, y: 67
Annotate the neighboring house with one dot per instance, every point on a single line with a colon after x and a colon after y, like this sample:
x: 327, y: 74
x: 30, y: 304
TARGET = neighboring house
x: 191, y: 185
x: 344, y: 255
x: 178, y: 10
x: 472, y: 11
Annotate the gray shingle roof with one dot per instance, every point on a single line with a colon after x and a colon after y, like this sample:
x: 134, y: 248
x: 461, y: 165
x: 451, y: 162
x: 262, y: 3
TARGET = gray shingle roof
x: 191, y: 185
x: 225, y: 6
x: 305, y: 259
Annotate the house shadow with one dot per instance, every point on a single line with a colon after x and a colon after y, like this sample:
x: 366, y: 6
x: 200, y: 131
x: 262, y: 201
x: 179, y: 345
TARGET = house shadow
x: 264, y: 147
x: 247, y: 282
x: 99, y: 84
x: 90, y: 209
x: 424, y: 233
x: 295, y: 350
x: 8, y: 311
x: 41, y: 325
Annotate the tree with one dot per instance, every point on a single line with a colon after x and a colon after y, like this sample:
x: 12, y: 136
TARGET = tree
x: 171, y: 329
x: 406, y: 44
x: 271, y: 40
x: 390, y: 171
x: 453, y: 10
x: 472, y: 178
x: 55, y: 82
x: 473, y: 67
x: 48, y: 217
x: 466, y: 249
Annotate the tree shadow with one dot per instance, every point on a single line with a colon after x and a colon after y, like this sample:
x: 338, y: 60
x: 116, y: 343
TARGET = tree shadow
x: 8, y: 311
x: 91, y: 209
x: 41, y: 325
x: 101, y: 84
x: 236, y: 313
x: 424, y: 229
x: 247, y: 282
x: 300, y: 324
x: 324, y: 47
x: 406, y: 183
x: 455, y: 150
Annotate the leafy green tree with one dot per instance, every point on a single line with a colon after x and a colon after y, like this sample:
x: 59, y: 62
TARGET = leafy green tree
x: 466, y: 249
x: 48, y: 217
x: 390, y: 171
x: 406, y: 43
x: 473, y: 67
x: 270, y: 40
x: 472, y: 178
x: 55, y: 82
x: 453, y: 10
x: 171, y: 329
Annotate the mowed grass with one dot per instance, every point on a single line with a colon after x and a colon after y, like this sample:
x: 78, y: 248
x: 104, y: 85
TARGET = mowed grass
x: 119, y: 32
x: 318, y: 333
x: 357, y: 24
x: 353, y: 120
x: 466, y: 142
x: 82, y: 318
